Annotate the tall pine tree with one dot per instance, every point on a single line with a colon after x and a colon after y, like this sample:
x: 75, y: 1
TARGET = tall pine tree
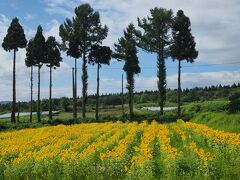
x: 53, y: 59
x: 70, y: 45
x: 39, y: 53
x: 30, y: 62
x: 126, y: 50
x: 155, y: 38
x: 14, y: 40
x: 183, y: 47
x: 99, y: 55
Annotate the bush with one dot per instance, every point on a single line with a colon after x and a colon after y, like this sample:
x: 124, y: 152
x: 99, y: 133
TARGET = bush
x: 234, y: 105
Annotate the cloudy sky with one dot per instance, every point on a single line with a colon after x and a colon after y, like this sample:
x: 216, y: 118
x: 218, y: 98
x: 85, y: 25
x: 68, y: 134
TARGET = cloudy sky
x: 215, y: 25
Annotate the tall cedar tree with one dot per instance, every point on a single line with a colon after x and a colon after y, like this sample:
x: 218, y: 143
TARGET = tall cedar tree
x: 30, y: 62
x: 14, y: 39
x: 39, y: 53
x: 70, y: 45
x: 155, y: 39
x: 84, y: 30
x: 183, y: 47
x: 126, y: 50
x: 53, y: 59
x: 99, y: 55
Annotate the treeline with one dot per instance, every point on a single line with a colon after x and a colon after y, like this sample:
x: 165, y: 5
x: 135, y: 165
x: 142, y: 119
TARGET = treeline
x: 207, y: 93
x: 161, y: 32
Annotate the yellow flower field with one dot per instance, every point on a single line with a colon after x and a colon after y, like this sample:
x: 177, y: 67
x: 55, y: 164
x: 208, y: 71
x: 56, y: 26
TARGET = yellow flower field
x: 117, y: 150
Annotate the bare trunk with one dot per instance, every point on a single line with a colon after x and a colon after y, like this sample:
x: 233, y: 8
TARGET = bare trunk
x: 161, y: 80
x: 18, y: 112
x: 39, y: 102
x: 74, y: 94
x: 75, y: 84
x: 122, y: 99
x: 179, y: 88
x: 50, y: 95
x: 97, y: 98
x: 31, y: 103
x: 13, y: 118
x: 131, y: 102
x: 84, y: 88
x: 130, y: 87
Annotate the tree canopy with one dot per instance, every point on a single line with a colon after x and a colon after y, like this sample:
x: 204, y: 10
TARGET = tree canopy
x: 53, y: 55
x: 100, y: 55
x: 183, y: 46
x: 39, y: 47
x: 15, y: 37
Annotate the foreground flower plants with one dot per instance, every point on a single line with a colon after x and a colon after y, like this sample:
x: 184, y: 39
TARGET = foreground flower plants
x: 120, y: 151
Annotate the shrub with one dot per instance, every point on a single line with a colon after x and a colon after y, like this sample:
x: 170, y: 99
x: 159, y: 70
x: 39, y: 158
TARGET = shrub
x: 234, y: 105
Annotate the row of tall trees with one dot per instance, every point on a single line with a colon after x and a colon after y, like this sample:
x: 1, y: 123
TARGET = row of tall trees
x: 41, y: 52
x: 38, y: 53
x: 167, y: 36
x: 82, y: 38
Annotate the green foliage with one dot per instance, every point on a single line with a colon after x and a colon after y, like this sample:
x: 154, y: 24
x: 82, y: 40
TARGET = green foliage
x: 234, y: 104
x: 29, y: 60
x: 39, y: 47
x: 100, y: 55
x: 53, y: 55
x: 219, y: 120
x: 15, y: 37
x: 214, y: 114
x: 183, y: 46
x: 65, y: 103
x: 206, y: 106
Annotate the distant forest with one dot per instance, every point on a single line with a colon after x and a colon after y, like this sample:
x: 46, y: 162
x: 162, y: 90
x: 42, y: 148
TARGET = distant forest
x: 188, y: 95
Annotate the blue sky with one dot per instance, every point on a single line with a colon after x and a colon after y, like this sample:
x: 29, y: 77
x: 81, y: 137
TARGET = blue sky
x: 215, y: 25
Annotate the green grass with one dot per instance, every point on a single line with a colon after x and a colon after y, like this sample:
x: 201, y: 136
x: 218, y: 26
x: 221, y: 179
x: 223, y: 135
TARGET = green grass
x: 212, y: 113
x: 219, y: 120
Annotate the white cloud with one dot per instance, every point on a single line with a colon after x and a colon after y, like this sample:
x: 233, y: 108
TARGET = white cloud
x: 53, y: 30
x: 29, y: 17
x: 215, y: 23
x: 190, y: 80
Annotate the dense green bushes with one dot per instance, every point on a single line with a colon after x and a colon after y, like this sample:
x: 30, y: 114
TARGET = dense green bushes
x: 234, y: 105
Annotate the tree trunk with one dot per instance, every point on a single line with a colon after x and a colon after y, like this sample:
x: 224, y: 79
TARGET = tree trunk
x: 18, y: 112
x: 75, y: 84
x: 39, y: 102
x: 84, y: 88
x: 97, y: 98
x: 50, y: 95
x: 130, y: 87
x: 13, y: 118
x: 131, y: 97
x: 122, y: 99
x: 161, y: 81
x: 179, y: 88
x: 31, y: 103
x: 74, y: 89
